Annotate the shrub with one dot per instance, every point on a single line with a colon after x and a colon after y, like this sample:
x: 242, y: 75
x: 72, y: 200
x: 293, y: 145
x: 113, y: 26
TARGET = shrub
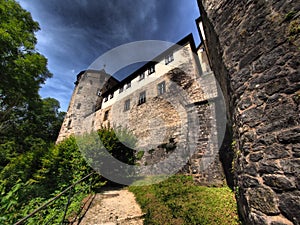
x: 32, y: 178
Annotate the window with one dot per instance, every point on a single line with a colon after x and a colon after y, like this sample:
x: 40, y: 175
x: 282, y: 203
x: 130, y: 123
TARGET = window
x: 127, y: 105
x: 151, y: 69
x: 169, y: 58
x: 111, y: 95
x: 142, y: 76
x: 106, y: 115
x: 99, y: 93
x: 128, y: 85
x: 69, y: 124
x: 101, y: 79
x: 105, y: 99
x: 79, y: 90
x: 142, y: 98
x: 78, y: 105
x: 121, y: 89
x: 161, y: 88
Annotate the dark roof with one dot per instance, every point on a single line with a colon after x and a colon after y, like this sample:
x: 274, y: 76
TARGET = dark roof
x: 187, y: 39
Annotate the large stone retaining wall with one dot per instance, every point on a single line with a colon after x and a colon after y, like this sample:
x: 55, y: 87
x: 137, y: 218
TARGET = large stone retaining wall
x: 254, y: 51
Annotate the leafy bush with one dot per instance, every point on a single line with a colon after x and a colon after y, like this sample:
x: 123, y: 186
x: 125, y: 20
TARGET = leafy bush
x: 32, y: 178
x: 101, y: 148
x: 119, y: 143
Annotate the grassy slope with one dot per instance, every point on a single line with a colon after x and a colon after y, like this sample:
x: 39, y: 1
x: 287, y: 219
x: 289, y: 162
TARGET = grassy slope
x: 178, y: 201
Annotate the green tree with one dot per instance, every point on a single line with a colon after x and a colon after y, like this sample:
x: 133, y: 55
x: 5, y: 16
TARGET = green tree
x: 22, y: 68
x: 28, y: 124
x: 43, y: 120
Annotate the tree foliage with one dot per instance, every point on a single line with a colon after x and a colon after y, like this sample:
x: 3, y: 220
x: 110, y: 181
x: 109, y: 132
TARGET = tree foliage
x: 97, y: 147
x: 36, y: 176
x: 119, y: 142
x: 25, y: 118
x: 105, y: 149
x: 32, y: 169
x: 22, y: 68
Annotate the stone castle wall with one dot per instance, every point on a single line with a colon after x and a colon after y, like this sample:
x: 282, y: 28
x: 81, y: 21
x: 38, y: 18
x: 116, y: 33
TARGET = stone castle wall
x: 81, y: 111
x: 184, y: 113
x: 254, y: 51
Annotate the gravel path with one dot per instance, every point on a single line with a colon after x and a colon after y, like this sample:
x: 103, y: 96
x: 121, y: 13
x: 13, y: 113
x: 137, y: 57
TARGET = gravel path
x: 117, y: 207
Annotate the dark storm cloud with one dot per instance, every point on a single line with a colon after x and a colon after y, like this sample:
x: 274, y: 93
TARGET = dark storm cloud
x: 75, y: 32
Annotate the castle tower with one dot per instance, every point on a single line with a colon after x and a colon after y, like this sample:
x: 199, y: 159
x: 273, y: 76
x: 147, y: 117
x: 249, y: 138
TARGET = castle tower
x: 86, y: 99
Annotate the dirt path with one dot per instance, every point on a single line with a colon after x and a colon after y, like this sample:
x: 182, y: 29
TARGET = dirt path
x: 116, y: 207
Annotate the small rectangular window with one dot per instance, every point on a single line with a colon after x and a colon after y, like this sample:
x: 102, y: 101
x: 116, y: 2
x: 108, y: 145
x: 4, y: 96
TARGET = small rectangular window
x: 69, y: 123
x: 101, y: 79
x: 78, y: 105
x: 128, y: 85
x: 142, y: 76
x: 79, y: 90
x: 127, y: 105
x: 169, y: 58
x: 121, y: 89
x: 106, y: 115
x: 161, y: 88
x: 142, y: 98
x: 151, y: 69
x: 99, y: 93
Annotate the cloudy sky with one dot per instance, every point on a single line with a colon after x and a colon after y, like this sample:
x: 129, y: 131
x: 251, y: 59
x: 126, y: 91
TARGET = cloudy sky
x: 74, y: 33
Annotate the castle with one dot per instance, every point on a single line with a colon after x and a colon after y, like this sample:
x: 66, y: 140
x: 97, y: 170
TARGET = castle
x: 172, y: 97
x: 253, y: 49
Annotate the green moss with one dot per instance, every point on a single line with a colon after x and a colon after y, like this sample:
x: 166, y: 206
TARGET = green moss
x: 294, y: 27
x: 140, y: 155
x: 289, y: 15
x: 237, y: 154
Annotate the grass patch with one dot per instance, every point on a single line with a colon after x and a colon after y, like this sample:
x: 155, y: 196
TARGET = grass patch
x: 178, y: 201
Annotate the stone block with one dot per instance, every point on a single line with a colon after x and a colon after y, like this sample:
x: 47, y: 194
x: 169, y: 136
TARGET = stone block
x: 296, y: 151
x: 264, y: 200
x: 256, y: 218
x: 248, y: 181
x: 290, y: 136
x: 275, y: 86
x: 289, y: 205
x: 290, y: 166
x: 255, y: 157
x: 269, y: 167
x: 250, y: 169
x: 276, y: 152
x: 279, y: 182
